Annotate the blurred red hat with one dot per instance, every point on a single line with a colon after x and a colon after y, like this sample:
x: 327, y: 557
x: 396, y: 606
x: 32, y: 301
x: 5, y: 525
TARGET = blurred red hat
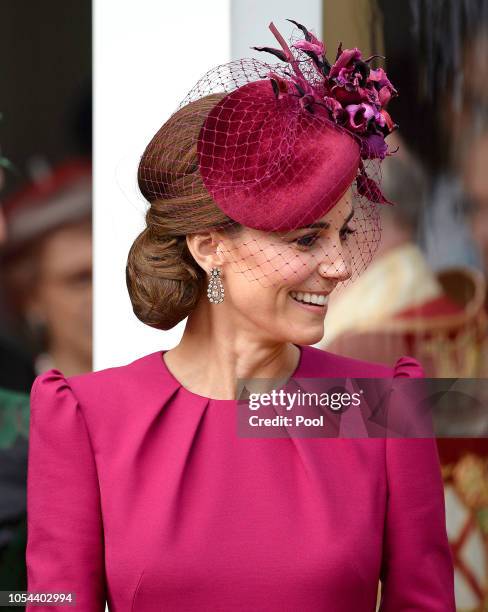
x: 62, y: 196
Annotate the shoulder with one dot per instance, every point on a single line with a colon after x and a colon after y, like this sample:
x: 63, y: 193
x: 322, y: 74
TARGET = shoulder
x: 110, y: 386
x: 124, y: 379
x: 317, y: 362
x: 122, y: 374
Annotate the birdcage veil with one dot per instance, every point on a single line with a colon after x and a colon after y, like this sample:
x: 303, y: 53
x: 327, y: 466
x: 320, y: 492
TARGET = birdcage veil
x: 286, y: 151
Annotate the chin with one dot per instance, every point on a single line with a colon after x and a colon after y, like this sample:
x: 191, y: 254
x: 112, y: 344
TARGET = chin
x: 312, y: 335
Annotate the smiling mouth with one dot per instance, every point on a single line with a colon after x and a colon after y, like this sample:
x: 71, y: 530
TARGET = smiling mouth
x: 310, y: 299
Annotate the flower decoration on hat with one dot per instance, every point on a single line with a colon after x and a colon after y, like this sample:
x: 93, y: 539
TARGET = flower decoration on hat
x: 354, y: 95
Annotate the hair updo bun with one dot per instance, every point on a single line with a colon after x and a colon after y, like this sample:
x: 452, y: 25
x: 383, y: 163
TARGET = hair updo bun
x: 163, y: 279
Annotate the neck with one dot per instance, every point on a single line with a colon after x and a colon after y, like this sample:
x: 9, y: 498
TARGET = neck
x: 216, y: 349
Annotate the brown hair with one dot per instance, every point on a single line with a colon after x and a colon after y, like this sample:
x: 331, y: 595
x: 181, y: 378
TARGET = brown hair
x: 163, y: 279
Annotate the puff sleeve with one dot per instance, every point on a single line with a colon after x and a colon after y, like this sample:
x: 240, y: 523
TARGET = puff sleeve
x: 65, y: 550
x: 417, y: 570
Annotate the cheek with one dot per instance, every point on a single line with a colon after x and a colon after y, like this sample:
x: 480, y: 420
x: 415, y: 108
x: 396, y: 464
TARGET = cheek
x: 271, y: 264
x: 251, y: 299
x: 248, y: 296
x: 299, y: 266
x: 53, y: 299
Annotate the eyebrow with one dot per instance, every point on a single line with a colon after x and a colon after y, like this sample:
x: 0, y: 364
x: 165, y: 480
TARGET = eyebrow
x: 325, y: 225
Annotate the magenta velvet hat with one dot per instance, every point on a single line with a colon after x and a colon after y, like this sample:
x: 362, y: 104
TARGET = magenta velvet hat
x: 256, y: 150
x: 278, y: 153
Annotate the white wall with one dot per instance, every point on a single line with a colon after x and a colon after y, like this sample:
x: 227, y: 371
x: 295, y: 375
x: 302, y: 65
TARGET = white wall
x: 147, y: 55
x: 250, y: 20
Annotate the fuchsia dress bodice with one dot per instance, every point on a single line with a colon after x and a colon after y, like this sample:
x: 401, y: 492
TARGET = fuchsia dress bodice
x: 141, y: 493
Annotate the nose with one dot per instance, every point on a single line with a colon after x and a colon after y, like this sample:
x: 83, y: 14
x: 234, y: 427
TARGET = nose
x: 335, y: 266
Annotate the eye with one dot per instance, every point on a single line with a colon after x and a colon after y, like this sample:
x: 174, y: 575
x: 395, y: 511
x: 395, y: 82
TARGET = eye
x: 346, y: 231
x: 306, y: 241
x: 309, y: 240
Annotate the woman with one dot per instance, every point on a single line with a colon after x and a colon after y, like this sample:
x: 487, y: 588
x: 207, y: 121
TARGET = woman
x: 139, y: 489
x: 46, y: 267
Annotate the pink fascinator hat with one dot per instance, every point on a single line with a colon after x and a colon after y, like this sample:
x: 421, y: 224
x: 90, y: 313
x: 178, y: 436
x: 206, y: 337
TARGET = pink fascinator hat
x: 282, y: 143
x: 296, y: 142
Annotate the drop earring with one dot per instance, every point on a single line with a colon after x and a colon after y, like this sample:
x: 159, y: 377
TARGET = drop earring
x: 215, y: 290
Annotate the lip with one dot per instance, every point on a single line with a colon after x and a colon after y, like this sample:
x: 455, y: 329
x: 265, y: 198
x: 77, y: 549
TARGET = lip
x: 311, y: 307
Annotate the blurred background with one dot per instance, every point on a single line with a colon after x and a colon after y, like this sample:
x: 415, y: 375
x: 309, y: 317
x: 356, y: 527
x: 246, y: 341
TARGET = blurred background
x: 424, y: 294
x: 45, y: 230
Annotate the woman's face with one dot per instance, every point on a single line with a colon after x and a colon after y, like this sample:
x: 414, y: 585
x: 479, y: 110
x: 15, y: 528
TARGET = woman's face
x: 277, y: 283
x: 63, y: 297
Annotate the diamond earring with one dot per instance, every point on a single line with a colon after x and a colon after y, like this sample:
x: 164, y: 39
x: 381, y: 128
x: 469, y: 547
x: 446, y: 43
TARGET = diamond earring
x: 215, y: 290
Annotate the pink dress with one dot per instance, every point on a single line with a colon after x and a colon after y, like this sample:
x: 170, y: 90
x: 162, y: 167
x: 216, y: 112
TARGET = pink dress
x: 141, y: 493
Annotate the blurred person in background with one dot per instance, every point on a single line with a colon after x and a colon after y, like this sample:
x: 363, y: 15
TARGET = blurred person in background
x: 46, y: 281
x: 46, y: 267
x: 14, y: 428
x: 472, y: 159
x: 431, y: 48
x: 476, y: 184
x: 16, y: 370
x: 475, y: 175
x: 46, y: 117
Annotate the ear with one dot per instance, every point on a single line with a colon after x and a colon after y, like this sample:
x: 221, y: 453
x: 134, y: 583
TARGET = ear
x: 206, y: 249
